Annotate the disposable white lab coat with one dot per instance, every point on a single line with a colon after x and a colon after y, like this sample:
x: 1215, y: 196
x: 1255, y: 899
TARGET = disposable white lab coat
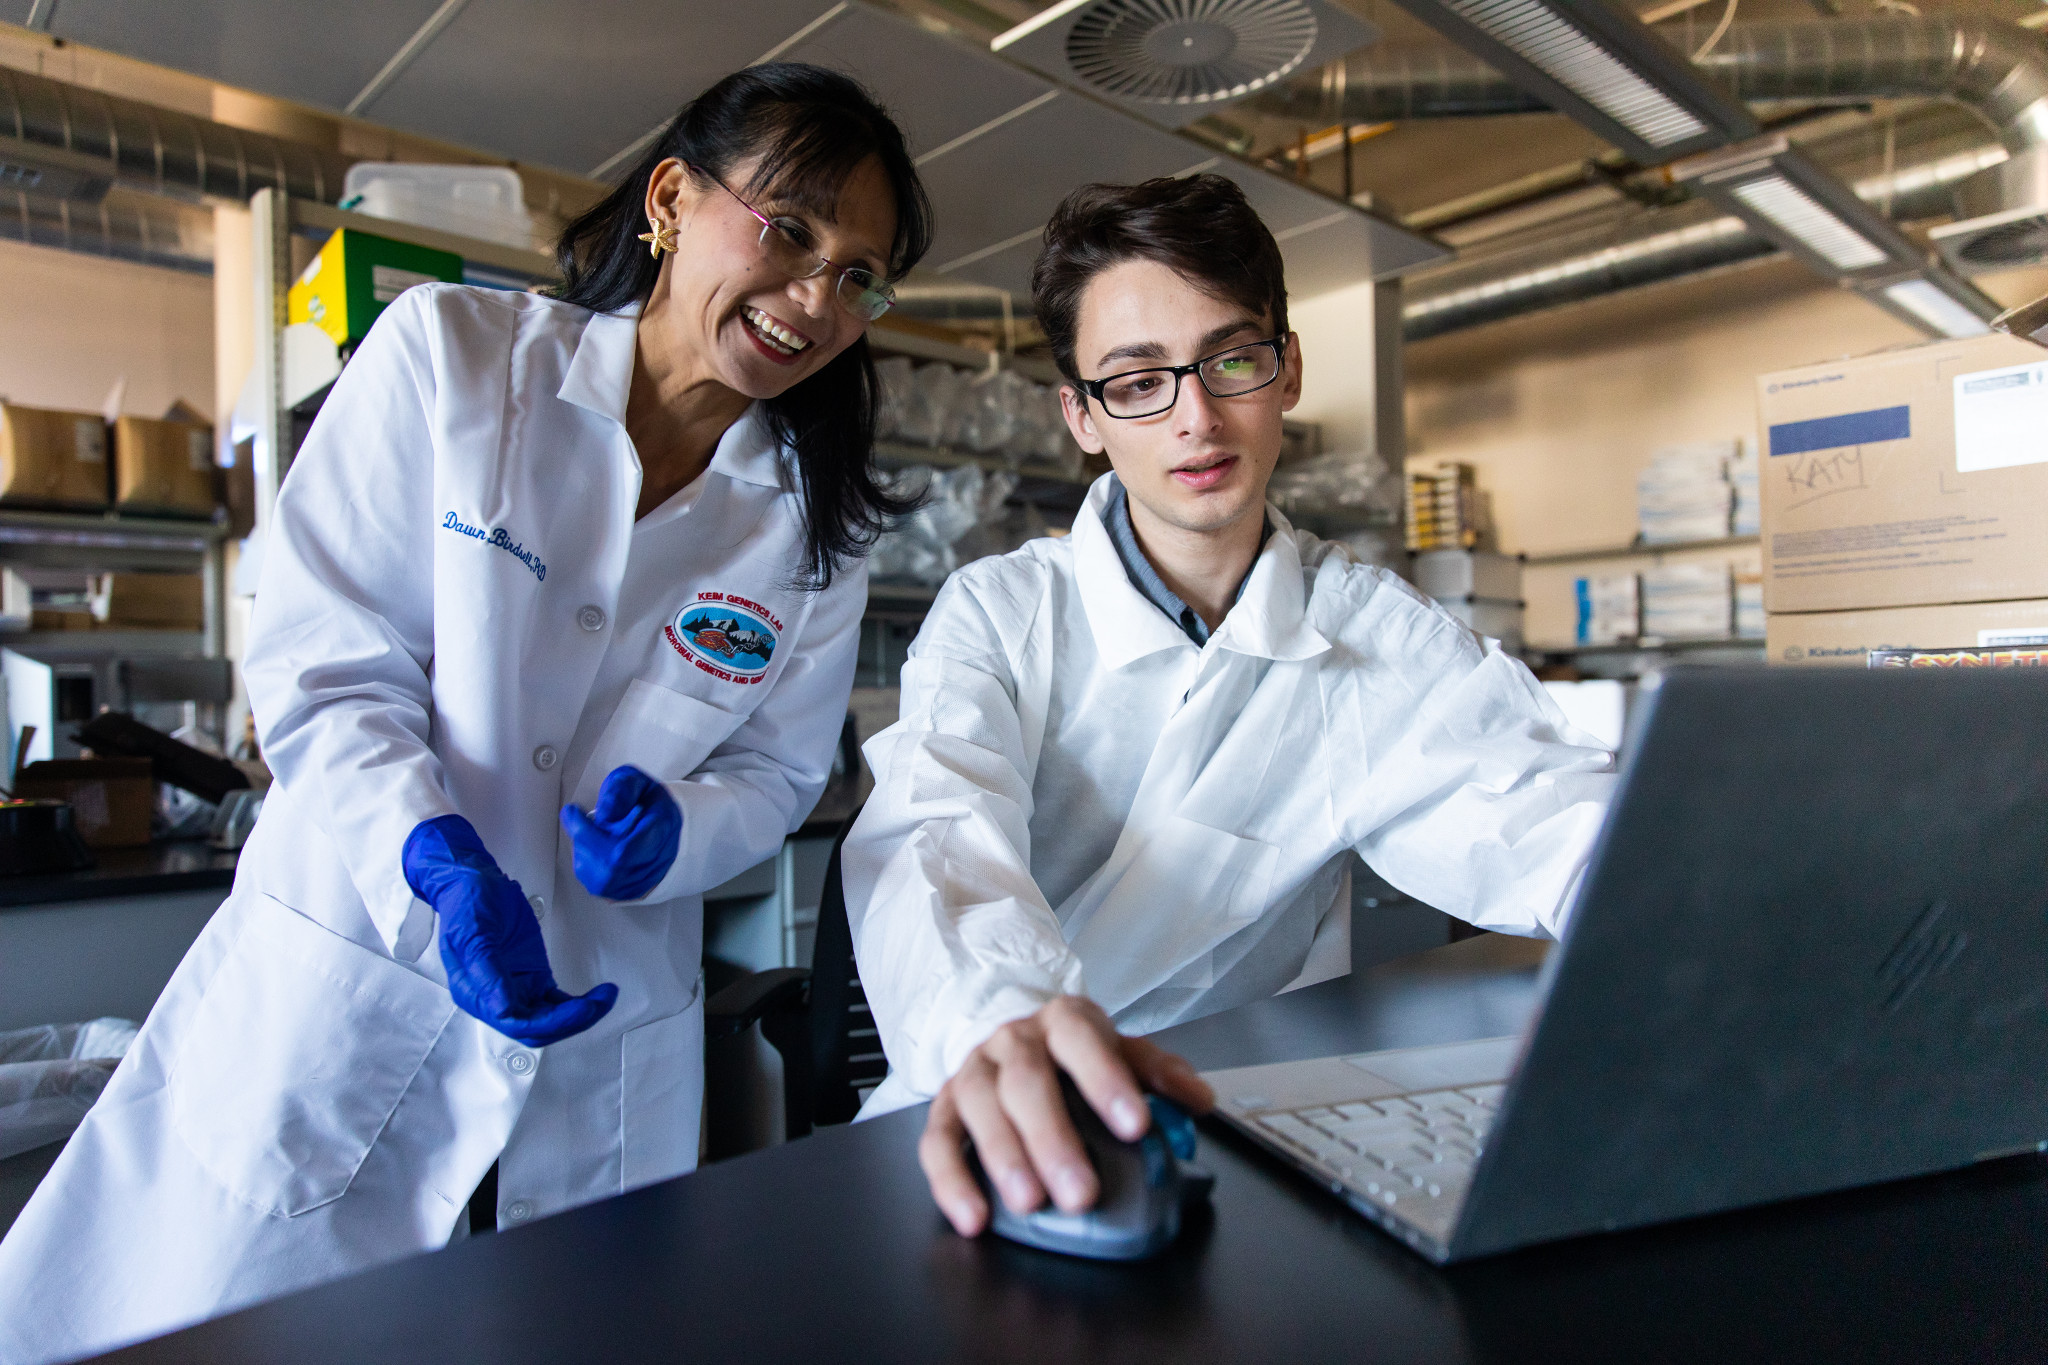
x: 457, y: 613
x: 1078, y: 799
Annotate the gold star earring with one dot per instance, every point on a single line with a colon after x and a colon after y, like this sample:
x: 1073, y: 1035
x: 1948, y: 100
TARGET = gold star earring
x: 658, y: 238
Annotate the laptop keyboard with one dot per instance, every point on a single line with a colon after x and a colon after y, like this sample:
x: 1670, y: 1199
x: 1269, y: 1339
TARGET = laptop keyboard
x: 1410, y: 1154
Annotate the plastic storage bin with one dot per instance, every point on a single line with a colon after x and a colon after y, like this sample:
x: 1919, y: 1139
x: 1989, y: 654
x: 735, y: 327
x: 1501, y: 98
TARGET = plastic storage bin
x: 487, y: 202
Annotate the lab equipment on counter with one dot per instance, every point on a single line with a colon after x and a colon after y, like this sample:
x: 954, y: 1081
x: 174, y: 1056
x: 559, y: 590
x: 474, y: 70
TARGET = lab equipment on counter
x: 490, y: 939
x: 628, y: 841
x: 1144, y: 1189
x: 40, y: 836
x: 206, y: 776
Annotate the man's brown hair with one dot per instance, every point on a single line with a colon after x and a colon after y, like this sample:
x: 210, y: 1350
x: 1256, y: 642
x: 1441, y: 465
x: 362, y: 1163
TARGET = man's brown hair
x: 1198, y: 226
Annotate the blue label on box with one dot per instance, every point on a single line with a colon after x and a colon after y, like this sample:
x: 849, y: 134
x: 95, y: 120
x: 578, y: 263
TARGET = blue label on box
x: 1849, y: 429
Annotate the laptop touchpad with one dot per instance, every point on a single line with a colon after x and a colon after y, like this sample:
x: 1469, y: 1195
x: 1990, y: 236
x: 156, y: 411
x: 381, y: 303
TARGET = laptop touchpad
x: 1436, y: 1068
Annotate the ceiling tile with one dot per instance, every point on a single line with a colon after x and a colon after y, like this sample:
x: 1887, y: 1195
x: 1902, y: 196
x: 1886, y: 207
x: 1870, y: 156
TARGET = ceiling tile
x: 1010, y: 179
x: 570, y: 85
x: 903, y: 65
x: 319, y: 55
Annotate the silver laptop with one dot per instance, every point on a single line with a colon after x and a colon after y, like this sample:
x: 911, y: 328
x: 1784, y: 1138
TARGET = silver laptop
x: 1811, y: 952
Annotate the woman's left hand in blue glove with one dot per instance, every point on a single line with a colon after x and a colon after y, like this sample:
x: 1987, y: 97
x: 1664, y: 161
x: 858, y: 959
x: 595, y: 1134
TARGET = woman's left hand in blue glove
x: 628, y: 842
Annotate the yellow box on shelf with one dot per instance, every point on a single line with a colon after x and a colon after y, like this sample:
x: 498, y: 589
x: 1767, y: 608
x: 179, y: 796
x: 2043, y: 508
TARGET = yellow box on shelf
x: 357, y: 275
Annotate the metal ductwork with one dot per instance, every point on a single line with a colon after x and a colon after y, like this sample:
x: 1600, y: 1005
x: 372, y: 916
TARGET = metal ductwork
x: 54, y: 133
x: 79, y: 168
x: 1623, y: 247
x: 1998, y: 69
x: 126, y: 227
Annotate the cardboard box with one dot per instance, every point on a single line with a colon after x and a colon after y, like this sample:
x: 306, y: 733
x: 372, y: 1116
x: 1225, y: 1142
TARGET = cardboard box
x: 357, y: 275
x: 1847, y: 637
x: 148, y: 601
x: 52, y: 459
x: 111, y: 799
x: 163, y: 468
x: 1907, y: 478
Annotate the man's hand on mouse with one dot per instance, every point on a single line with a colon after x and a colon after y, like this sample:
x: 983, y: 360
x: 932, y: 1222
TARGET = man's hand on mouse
x: 1006, y: 1097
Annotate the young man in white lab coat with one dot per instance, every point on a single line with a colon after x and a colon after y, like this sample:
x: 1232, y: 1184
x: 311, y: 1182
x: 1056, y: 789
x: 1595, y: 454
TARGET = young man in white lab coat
x: 1132, y: 764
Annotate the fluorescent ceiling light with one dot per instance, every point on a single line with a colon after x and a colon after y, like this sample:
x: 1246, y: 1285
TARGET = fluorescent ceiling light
x: 1811, y: 223
x: 1928, y: 303
x: 1541, y: 37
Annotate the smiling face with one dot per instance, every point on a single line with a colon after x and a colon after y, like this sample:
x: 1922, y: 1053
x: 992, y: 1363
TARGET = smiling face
x: 723, y: 312
x: 1202, y: 465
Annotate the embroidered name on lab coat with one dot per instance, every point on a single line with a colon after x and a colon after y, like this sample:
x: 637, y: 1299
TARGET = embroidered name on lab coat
x: 502, y: 539
x: 729, y: 637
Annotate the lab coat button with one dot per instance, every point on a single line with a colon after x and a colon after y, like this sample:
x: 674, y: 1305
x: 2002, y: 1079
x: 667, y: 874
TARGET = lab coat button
x: 591, y: 618
x: 519, y: 1063
x: 518, y: 1211
x: 545, y: 758
x: 540, y: 906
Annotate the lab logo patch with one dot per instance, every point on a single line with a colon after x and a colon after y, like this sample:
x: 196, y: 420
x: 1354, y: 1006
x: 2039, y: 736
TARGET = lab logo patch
x: 727, y: 636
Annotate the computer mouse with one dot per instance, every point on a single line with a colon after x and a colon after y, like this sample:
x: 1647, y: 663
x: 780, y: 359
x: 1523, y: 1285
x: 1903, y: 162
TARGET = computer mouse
x: 1144, y: 1185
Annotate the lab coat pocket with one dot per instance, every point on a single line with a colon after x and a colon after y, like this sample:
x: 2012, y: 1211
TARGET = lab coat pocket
x: 662, y: 732
x: 661, y: 1095
x: 1170, y: 894
x: 295, y: 1057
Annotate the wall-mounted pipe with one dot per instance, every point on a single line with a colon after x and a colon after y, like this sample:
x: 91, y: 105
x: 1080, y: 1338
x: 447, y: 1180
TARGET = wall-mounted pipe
x: 125, y: 227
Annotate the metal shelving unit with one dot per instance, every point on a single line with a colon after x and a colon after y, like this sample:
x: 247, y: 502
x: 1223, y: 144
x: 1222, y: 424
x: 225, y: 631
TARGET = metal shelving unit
x: 1641, y: 548
x: 100, y: 541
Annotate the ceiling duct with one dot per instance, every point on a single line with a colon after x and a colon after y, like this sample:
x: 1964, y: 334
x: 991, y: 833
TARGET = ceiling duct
x: 1998, y: 69
x: 60, y: 141
x: 1172, y: 61
x: 127, y: 227
x: 1623, y: 246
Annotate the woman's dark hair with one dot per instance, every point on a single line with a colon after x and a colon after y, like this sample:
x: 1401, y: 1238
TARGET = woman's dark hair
x: 1198, y: 226
x: 811, y: 128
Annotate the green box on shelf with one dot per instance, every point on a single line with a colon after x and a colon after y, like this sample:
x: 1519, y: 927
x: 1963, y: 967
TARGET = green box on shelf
x: 357, y: 275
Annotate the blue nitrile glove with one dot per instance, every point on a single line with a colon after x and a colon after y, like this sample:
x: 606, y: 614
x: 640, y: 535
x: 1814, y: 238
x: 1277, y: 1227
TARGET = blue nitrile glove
x: 490, y: 941
x: 628, y: 842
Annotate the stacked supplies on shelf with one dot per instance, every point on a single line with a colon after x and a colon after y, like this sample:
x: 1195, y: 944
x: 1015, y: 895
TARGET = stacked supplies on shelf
x: 1749, y: 505
x: 1443, y: 509
x: 1688, y: 601
x: 996, y: 412
x: 1684, y: 494
x: 1610, y: 608
x: 1482, y: 590
x: 1749, y: 604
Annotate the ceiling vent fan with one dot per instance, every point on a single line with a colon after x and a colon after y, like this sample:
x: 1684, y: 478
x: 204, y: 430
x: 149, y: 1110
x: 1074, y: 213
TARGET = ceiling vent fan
x: 1172, y: 61
x: 2002, y: 217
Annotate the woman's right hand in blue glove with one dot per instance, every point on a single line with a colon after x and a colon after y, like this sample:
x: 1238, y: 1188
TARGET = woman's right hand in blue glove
x: 490, y: 940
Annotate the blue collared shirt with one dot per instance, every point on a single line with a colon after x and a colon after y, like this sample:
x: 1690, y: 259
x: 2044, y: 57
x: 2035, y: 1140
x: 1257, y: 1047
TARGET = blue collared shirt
x: 1116, y: 519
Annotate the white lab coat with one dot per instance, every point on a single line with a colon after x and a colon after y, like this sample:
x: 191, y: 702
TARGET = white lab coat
x: 305, y: 1100
x: 1078, y: 799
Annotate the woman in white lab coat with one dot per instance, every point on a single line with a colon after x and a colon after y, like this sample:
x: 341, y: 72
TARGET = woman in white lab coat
x: 557, y: 619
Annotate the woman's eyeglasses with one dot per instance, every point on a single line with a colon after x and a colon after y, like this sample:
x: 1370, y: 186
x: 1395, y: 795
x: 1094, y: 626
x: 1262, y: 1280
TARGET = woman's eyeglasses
x: 1227, y: 374
x: 787, y: 244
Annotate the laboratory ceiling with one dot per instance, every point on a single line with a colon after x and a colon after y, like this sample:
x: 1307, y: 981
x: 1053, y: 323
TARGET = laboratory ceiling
x: 581, y: 87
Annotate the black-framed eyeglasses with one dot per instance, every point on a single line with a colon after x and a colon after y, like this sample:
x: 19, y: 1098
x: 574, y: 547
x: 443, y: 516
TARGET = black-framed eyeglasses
x: 787, y: 244
x: 1226, y: 374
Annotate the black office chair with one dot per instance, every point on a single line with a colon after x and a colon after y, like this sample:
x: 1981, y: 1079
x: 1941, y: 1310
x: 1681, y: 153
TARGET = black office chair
x: 817, y: 1019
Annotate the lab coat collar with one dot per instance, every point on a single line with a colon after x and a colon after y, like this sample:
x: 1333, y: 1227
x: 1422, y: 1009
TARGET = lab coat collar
x: 1269, y: 620
x: 600, y: 377
x: 601, y: 372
